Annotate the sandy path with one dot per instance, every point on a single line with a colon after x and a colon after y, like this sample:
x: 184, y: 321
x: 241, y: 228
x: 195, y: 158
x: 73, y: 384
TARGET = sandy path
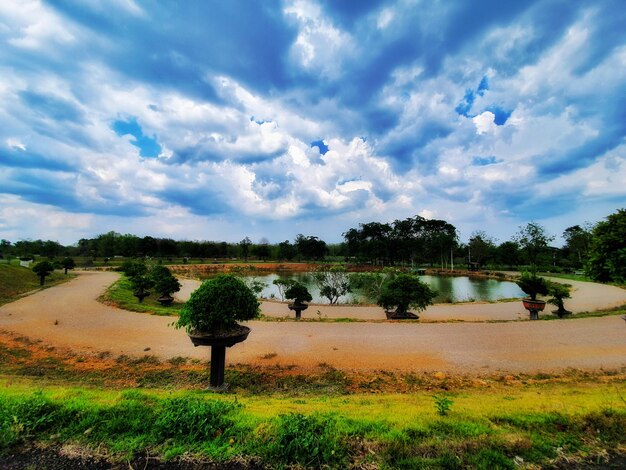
x: 88, y: 326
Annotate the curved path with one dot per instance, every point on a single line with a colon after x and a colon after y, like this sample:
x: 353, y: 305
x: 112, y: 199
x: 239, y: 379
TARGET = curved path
x: 70, y: 316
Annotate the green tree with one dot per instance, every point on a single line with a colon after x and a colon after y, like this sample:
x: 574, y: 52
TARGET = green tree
x: 298, y: 292
x: 245, y: 247
x: 332, y: 283
x: 607, y: 253
x: 165, y: 283
x: 481, y: 247
x: 406, y: 291
x: 533, y: 240
x: 68, y: 263
x: 577, y: 242
x: 43, y: 269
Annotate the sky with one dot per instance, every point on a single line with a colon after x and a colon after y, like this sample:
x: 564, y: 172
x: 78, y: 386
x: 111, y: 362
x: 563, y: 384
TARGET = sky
x: 217, y: 120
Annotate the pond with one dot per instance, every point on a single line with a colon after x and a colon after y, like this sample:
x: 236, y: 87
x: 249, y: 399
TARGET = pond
x: 449, y: 288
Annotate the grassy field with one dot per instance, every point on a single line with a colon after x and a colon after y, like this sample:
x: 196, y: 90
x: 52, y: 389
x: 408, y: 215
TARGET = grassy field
x: 16, y: 281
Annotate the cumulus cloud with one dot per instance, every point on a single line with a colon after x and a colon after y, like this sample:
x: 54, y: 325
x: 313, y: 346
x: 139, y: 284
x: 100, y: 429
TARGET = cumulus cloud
x: 307, y: 115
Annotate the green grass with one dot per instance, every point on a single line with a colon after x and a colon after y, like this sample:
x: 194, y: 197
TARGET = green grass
x: 16, y: 281
x: 491, y: 428
x: 120, y: 294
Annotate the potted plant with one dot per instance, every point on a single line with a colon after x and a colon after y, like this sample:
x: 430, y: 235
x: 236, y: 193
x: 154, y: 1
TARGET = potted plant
x: 299, y: 294
x: 559, y: 292
x: 210, y: 318
x: 533, y: 285
x: 402, y: 292
x: 165, y: 284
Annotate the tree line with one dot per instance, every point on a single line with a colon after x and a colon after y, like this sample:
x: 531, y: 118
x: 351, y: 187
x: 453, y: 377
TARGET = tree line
x: 598, y: 249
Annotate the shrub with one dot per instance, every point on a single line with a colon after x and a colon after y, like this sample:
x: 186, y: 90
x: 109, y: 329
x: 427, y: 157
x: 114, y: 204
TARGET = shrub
x: 298, y: 292
x: 532, y: 285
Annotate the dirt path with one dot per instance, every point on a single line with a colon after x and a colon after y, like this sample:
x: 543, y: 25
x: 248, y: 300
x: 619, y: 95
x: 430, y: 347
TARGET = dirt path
x: 69, y: 315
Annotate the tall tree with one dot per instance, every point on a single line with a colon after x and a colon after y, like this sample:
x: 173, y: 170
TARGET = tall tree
x: 533, y: 240
x: 607, y: 253
x: 577, y: 242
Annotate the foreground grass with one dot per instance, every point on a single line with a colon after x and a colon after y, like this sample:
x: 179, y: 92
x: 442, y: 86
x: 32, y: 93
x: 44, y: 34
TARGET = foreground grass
x: 16, y: 281
x: 120, y: 294
x: 494, y: 428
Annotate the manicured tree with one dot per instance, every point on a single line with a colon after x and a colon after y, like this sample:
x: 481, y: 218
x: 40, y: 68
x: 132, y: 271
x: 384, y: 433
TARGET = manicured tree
x: 164, y: 283
x: 43, y: 269
x: 210, y: 317
x: 299, y: 294
x: 141, y: 284
x: 405, y: 291
x: 532, y: 285
x: 68, y: 263
x: 559, y: 292
x: 134, y: 268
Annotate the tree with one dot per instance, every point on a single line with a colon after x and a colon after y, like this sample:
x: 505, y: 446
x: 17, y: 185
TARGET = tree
x: 577, y: 241
x: 508, y: 253
x: 43, y: 269
x: 559, y: 292
x: 283, y: 284
x: 245, y: 247
x: 68, y: 263
x: 298, y: 292
x: 405, y: 291
x: 164, y: 282
x: 333, y: 283
x: 481, y: 247
x: 286, y: 250
x: 533, y: 240
x: 310, y: 247
x: 607, y: 253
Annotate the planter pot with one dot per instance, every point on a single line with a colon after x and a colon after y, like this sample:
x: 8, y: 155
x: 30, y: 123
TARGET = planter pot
x: 297, y: 307
x: 534, y: 307
x: 219, y: 342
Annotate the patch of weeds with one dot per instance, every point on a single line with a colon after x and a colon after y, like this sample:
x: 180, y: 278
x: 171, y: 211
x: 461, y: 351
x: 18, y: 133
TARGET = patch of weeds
x: 148, y: 359
x: 178, y: 361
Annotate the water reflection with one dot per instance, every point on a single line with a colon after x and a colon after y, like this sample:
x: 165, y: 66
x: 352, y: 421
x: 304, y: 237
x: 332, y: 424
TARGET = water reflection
x: 449, y: 288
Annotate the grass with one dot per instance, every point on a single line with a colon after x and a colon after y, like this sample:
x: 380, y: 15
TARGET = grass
x: 120, y: 294
x: 485, y: 428
x: 16, y: 281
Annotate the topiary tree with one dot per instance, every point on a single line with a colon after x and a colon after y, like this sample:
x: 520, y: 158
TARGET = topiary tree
x: 43, y: 269
x: 532, y: 285
x: 405, y: 291
x: 217, y: 305
x: 68, y: 263
x: 559, y: 292
x: 164, y: 283
x: 282, y: 285
x: 298, y: 292
x: 210, y: 317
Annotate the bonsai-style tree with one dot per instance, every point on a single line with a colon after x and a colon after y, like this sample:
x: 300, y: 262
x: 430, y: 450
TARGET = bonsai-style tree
x: 559, y: 292
x: 68, y: 263
x: 298, y: 292
x: 217, y: 305
x: 43, y: 269
x: 405, y: 291
x: 141, y: 284
x: 532, y: 285
x: 210, y: 317
x: 282, y: 285
x: 134, y: 268
x: 164, y: 283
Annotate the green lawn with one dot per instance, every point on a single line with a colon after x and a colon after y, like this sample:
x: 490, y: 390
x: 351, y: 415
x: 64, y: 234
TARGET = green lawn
x: 15, y: 281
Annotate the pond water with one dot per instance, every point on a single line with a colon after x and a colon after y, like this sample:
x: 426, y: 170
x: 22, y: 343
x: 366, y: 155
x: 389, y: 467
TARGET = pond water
x: 449, y: 288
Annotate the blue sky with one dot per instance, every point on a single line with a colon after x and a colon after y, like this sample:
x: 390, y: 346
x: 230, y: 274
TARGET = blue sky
x: 224, y: 119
